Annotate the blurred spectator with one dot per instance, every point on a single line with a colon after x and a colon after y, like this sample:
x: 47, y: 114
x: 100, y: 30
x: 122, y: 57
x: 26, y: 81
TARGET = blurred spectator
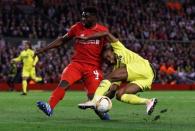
x: 11, y: 76
x: 167, y: 72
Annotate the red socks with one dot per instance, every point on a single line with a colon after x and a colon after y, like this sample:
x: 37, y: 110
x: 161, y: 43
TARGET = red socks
x: 56, y: 96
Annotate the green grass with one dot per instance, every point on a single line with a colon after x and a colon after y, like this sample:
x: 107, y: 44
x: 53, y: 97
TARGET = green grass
x: 19, y: 113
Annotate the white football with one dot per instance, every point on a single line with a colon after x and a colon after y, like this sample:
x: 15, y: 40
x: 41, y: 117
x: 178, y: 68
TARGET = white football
x: 104, y: 104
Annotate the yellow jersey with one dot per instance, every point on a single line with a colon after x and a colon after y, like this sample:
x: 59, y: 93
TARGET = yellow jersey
x: 138, y: 68
x: 27, y: 58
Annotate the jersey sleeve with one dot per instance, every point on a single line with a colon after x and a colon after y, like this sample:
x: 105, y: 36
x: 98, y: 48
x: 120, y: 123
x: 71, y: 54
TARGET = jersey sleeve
x: 117, y: 45
x: 72, y: 31
x: 36, y: 59
x: 19, y: 58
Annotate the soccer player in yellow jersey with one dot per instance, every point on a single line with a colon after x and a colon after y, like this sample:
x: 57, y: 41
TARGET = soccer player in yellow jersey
x: 128, y: 67
x: 29, y: 60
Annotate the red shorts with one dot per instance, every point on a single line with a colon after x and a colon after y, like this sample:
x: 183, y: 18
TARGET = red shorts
x: 91, y: 75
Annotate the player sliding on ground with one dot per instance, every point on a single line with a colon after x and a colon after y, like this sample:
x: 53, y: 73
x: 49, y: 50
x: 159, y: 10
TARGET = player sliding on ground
x: 128, y: 67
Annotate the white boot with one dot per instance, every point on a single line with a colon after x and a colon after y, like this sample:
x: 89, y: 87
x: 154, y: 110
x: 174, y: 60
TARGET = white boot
x: 150, y: 106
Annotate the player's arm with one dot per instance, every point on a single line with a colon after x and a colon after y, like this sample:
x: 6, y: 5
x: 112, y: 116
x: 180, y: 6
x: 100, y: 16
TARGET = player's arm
x: 17, y: 59
x: 36, y: 59
x: 60, y: 40
x: 108, y: 35
x: 56, y: 43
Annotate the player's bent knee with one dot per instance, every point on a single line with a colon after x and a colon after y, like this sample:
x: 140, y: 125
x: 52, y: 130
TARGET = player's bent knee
x: 64, y: 84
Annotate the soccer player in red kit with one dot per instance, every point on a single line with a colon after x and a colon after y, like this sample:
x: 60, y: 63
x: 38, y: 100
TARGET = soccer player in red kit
x: 85, y: 63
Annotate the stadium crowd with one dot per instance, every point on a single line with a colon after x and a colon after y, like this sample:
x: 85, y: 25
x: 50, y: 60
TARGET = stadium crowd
x: 172, y: 61
x: 136, y: 22
x: 132, y: 19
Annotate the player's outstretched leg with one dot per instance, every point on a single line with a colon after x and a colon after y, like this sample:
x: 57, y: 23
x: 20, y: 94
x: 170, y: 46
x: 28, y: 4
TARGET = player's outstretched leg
x: 92, y: 105
x: 102, y: 116
x: 45, y: 107
x: 151, y: 105
x: 24, y: 86
x: 86, y: 105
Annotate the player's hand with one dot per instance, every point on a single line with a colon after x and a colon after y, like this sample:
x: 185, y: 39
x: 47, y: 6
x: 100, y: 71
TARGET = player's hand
x: 12, y: 61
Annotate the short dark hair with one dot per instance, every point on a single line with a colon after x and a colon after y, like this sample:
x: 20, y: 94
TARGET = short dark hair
x: 92, y: 10
x: 105, y: 48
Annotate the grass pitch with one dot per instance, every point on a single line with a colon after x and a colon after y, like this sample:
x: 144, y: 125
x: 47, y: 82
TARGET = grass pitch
x: 174, y: 112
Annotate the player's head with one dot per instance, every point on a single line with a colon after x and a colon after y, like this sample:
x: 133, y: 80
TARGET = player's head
x: 89, y: 16
x: 26, y: 44
x: 108, y: 54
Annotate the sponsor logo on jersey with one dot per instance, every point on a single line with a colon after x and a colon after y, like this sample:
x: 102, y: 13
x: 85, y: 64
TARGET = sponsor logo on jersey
x: 89, y: 42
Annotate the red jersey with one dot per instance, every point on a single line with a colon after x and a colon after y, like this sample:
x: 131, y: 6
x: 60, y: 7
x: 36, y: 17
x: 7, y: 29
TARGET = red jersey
x: 87, y: 51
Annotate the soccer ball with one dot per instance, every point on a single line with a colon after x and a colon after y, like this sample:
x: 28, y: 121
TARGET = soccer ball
x: 104, y: 104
